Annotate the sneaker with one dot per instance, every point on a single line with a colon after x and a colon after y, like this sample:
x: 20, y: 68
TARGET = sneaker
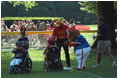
x: 114, y: 64
x: 96, y: 65
x: 67, y: 68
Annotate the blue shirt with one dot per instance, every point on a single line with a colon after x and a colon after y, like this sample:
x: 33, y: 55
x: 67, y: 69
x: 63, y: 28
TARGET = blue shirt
x: 80, y: 39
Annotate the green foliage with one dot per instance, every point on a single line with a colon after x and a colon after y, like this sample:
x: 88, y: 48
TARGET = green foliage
x: 115, y: 4
x: 27, y: 4
x: 88, y: 19
x: 66, y: 9
x: 32, y: 18
x: 89, y: 6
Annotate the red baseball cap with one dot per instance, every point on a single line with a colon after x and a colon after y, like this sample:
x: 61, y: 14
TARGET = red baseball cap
x: 71, y: 29
x: 51, y: 39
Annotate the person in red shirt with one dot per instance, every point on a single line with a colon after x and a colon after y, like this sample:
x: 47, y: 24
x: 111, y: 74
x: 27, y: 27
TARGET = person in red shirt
x: 60, y: 36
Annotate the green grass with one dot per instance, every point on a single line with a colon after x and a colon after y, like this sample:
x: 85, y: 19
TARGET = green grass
x: 32, y: 18
x: 88, y: 36
x: 106, y: 71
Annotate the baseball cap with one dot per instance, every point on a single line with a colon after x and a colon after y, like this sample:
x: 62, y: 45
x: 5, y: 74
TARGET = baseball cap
x: 70, y: 29
x: 51, y: 39
x: 58, y: 23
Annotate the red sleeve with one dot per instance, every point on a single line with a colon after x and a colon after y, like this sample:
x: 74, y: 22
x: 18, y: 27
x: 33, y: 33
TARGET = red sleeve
x: 72, y: 44
x: 66, y: 26
x: 55, y: 31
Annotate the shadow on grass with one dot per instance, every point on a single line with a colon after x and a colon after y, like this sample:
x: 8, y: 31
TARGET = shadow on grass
x: 106, y: 71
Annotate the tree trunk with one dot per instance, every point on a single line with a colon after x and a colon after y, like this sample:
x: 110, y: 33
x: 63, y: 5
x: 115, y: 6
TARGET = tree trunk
x: 106, y: 9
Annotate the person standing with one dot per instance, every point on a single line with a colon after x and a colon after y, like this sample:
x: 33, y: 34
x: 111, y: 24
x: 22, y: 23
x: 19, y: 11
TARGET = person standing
x: 14, y: 27
x: 104, y: 43
x: 60, y: 36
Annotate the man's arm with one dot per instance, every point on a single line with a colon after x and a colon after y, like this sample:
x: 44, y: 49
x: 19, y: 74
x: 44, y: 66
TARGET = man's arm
x: 74, y: 43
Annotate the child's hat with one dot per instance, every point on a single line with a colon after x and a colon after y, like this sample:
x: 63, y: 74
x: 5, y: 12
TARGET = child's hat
x: 58, y: 23
x: 70, y: 30
x: 51, y: 39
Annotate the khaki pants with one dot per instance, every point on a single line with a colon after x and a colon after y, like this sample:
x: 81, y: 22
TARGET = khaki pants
x: 104, y: 46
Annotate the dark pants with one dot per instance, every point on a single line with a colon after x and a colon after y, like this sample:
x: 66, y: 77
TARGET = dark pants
x: 66, y: 50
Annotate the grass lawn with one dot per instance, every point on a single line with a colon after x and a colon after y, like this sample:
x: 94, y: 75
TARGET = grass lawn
x: 105, y: 71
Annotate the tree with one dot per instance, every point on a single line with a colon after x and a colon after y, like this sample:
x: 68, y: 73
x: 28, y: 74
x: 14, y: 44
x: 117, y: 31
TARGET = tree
x: 89, y: 6
x: 106, y: 9
x: 67, y: 9
x: 88, y: 19
x: 27, y: 4
x: 91, y: 11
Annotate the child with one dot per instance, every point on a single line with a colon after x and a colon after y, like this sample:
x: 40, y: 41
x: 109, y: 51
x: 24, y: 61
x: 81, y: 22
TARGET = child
x: 50, y: 44
x: 81, y: 47
x: 52, y: 51
x: 20, y: 53
x: 25, y: 42
x: 52, y: 59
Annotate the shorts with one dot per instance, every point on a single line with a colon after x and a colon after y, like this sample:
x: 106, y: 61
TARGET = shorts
x: 104, y: 46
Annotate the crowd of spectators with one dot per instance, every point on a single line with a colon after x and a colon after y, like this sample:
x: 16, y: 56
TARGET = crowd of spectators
x: 29, y: 25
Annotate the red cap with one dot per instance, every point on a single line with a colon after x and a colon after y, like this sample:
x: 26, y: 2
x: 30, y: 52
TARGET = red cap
x: 71, y: 29
x: 51, y: 39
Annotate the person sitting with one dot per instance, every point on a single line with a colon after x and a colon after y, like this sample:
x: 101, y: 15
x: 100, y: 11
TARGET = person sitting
x: 20, y: 53
x: 50, y: 44
x: 43, y: 26
x: 38, y: 24
x: 25, y: 42
x: 28, y: 24
x: 14, y: 27
x: 32, y: 27
x: 5, y: 28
